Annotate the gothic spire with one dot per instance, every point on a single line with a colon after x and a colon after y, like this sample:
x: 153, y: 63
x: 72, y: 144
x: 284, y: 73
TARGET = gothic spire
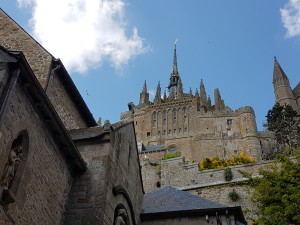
x: 282, y: 89
x: 203, y: 97
x: 278, y: 72
x: 165, y: 96
x: 219, y: 102
x: 174, y: 76
x: 144, y: 95
x: 145, y: 88
x: 157, y: 99
x: 175, y: 68
x: 196, y: 93
x: 191, y: 92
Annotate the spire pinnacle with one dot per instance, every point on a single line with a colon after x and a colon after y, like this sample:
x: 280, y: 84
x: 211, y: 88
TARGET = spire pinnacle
x: 174, y: 76
x: 278, y: 71
x: 145, y: 88
x: 144, y: 95
x: 175, y: 59
x: 157, y: 99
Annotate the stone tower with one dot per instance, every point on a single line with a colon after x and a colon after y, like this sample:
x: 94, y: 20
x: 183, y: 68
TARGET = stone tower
x: 283, y: 92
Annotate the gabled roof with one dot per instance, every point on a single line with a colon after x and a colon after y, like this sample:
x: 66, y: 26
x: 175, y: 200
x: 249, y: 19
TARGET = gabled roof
x: 74, y: 93
x: 170, y: 199
x: 169, y: 202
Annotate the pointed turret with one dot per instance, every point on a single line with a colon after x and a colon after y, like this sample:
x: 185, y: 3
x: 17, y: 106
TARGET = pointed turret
x: 203, y: 98
x: 165, y: 96
x: 196, y: 93
x: 144, y: 95
x: 157, y: 99
x: 191, y: 92
x: 208, y: 101
x: 179, y: 92
x: 174, y: 77
x: 219, y: 102
x: 282, y: 89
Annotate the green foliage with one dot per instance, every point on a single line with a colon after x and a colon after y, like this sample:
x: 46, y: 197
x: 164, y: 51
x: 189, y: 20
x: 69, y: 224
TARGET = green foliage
x: 170, y: 155
x: 228, y: 174
x: 233, y: 195
x: 285, y: 124
x: 213, y: 163
x: 277, y: 192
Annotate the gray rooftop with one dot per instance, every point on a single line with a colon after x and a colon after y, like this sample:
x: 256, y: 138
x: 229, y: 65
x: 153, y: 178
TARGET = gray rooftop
x: 151, y: 148
x: 169, y: 199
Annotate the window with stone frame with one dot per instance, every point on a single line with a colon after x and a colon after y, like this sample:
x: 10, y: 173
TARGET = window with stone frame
x: 154, y: 119
x: 164, y: 118
x: 174, y: 115
x: 184, y: 112
x: 229, y: 122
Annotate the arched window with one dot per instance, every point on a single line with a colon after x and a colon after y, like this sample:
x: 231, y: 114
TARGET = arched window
x: 154, y: 119
x: 174, y: 115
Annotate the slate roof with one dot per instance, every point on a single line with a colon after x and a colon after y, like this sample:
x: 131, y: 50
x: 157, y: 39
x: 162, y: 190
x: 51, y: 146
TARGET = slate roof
x: 169, y: 199
x: 151, y: 148
x: 170, y: 202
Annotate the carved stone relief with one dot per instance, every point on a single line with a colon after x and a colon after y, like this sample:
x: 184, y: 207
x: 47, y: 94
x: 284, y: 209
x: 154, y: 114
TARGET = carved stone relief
x: 121, y: 217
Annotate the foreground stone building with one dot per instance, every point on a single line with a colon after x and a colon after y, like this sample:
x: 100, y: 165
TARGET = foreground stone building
x: 57, y: 166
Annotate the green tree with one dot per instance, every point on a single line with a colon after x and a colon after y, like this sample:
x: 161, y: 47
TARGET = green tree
x: 277, y: 192
x: 285, y: 123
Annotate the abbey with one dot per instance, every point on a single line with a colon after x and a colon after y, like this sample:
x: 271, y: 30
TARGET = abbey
x: 191, y: 124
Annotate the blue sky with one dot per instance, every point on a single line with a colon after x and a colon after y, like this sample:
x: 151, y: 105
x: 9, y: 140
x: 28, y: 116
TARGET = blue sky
x: 229, y: 44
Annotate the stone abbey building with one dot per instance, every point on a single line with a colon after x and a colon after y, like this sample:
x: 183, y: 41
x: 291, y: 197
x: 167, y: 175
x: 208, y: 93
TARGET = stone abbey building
x: 193, y: 126
x: 59, y: 167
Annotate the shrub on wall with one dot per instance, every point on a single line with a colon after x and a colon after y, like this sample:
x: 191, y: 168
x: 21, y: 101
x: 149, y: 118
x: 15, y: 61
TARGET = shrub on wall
x: 170, y: 155
x: 233, y: 195
x: 213, y: 163
x: 228, y: 174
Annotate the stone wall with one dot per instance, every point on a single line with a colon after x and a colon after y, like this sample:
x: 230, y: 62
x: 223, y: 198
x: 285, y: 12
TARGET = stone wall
x: 63, y: 104
x: 43, y: 188
x: 178, y: 173
x: 111, y: 180
x: 151, y: 174
x: 220, y: 194
x: 209, y: 184
x: 14, y: 38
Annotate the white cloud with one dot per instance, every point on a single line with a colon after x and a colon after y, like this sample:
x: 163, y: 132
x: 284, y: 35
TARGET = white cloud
x: 84, y: 33
x: 290, y: 17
